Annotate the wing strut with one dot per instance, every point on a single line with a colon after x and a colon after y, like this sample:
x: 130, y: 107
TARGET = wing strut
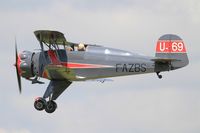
x: 55, y: 89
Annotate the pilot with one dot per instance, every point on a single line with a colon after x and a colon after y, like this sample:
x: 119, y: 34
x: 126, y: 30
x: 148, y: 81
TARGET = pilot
x: 69, y: 48
x: 81, y: 47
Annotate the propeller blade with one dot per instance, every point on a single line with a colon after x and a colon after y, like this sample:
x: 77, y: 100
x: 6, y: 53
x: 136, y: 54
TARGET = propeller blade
x: 17, y: 71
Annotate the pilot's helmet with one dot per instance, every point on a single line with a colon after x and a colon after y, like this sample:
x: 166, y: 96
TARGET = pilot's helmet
x: 81, y: 47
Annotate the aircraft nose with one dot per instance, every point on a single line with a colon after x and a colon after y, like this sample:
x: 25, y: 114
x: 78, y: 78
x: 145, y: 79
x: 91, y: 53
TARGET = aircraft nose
x: 18, y: 63
x: 25, y: 64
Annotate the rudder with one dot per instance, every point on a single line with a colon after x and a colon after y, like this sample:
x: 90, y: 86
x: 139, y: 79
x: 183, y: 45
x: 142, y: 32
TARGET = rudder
x: 172, y: 47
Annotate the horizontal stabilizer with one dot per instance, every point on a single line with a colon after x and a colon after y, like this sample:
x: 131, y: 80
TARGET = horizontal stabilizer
x: 164, y: 60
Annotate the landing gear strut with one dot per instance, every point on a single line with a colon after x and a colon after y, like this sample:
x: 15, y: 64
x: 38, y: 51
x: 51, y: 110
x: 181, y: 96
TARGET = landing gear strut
x: 159, y: 76
x: 41, y: 104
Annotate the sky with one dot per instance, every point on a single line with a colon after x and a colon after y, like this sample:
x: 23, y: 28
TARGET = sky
x: 138, y: 104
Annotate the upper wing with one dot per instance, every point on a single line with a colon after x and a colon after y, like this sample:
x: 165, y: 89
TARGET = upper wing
x: 51, y: 37
x: 55, y: 37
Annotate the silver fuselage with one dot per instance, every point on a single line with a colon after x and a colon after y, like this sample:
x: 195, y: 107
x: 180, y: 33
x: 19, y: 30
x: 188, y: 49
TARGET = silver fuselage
x: 93, y: 63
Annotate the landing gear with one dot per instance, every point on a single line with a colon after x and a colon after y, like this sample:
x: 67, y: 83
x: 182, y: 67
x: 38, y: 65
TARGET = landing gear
x: 41, y: 104
x: 53, y: 91
x: 51, y: 107
x: 159, y: 76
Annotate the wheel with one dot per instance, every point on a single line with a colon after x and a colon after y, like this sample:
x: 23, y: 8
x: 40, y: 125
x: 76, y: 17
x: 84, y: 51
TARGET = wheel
x: 159, y: 76
x: 51, y: 107
x: 40, y: 104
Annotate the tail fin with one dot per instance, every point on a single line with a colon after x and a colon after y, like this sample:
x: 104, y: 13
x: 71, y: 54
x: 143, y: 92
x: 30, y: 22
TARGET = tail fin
x: 171, y: 49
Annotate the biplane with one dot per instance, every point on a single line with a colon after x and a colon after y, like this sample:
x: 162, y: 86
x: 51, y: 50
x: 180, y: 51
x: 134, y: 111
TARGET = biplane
x: 63, y: 62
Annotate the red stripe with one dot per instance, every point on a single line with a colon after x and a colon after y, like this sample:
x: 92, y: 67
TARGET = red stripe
x: 53, y: 57
x: 55, y: 61
x: 82, y: 65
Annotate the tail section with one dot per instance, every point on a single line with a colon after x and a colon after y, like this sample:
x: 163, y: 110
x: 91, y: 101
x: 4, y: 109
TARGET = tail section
x: 171, y: 53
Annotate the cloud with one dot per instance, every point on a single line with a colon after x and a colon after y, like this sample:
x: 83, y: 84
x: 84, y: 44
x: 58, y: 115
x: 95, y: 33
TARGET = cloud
x: 14, y: 131
x: 23, y: 5
x: 153, y: 110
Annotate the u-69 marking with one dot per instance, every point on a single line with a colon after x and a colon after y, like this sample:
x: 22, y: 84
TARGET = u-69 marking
x: 170, y: 47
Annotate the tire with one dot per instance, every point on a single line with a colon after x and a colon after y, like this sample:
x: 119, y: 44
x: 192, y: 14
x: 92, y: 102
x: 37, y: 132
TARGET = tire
x: 40, y: 104
x: 51, y: 107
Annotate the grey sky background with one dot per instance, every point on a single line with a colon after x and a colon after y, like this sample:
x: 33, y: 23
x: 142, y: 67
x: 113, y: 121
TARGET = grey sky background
x: 130, y: 104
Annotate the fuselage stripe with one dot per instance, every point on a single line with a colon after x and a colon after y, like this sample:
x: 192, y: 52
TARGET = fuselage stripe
x: 83, y: 65
x: 53, y: 57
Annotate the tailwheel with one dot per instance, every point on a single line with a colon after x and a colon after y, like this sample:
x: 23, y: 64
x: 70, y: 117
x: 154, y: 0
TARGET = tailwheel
x: 40, y: 104
x: 51, y: 106
x: 159, y: 75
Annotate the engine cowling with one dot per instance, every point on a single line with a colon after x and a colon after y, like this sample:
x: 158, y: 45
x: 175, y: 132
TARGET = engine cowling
x: 26, y: 64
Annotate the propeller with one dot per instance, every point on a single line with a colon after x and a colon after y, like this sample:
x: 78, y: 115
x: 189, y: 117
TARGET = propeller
x: 17, y: 68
